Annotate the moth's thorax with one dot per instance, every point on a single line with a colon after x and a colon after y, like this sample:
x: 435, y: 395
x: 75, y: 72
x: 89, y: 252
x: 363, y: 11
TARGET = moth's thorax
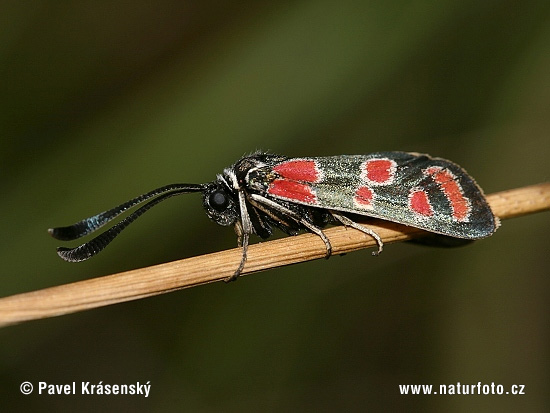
x: 258, y: 179
x: 254, y: 172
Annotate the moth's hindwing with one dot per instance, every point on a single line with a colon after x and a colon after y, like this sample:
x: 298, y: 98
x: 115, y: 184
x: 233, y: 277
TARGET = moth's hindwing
x: 412, y: 189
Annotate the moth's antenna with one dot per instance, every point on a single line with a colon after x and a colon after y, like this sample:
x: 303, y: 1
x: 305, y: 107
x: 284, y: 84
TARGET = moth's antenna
x: 89, y: 225
x: 86, y: 226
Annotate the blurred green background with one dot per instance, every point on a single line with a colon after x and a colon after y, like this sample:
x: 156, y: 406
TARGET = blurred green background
x: 102, y: 101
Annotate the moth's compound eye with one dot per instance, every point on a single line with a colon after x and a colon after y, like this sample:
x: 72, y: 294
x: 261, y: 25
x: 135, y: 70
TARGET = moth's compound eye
x: 218, y: 200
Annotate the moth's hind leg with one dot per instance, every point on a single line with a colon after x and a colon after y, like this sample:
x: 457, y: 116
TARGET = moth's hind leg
x: 349, y: 223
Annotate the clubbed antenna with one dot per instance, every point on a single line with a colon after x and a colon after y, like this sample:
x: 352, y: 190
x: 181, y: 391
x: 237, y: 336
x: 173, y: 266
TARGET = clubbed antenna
x: 89, y: 225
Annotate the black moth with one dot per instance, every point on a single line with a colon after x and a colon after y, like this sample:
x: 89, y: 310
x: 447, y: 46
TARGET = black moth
x: 262, y: 191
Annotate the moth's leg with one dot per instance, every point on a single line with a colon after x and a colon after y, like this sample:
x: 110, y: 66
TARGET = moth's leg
x: 349, y: 223
x: 243, y: 260
x: 319, y: 232
x: 239, y: 231
x: 242, y: 241
x: 287, y: 212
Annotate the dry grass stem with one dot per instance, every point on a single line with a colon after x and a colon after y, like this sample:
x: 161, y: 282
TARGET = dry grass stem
x: 189, y: 272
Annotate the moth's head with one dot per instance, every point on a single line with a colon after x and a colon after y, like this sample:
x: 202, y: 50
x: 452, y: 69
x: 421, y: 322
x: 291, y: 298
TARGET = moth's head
x: 220, y: 204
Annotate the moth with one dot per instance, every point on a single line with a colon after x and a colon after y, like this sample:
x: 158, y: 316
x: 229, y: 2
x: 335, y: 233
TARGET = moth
x: 263, y: 191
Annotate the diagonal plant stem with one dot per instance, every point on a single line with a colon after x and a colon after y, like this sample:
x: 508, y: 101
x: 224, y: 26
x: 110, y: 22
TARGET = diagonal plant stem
x: 176, y: 275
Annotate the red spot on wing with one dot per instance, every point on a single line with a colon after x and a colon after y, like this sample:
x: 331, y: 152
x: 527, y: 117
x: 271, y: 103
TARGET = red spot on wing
x: 299, y: 170
x: 447, y: 181
x: 419, y: 202
x: 291, y: 190
x: 364, y: 197
x: 379, y: 171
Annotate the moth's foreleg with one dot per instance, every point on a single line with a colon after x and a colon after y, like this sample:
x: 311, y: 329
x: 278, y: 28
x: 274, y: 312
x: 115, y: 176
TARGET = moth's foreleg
x: 242, y: 241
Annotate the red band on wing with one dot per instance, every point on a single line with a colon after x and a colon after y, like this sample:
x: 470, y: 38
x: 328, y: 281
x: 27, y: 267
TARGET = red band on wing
x: 293, y: 191
x: 363, y: 197
x: 299, y: 170
x: 452, y: 190
x: 379, y: 171
x: 419, y: 202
